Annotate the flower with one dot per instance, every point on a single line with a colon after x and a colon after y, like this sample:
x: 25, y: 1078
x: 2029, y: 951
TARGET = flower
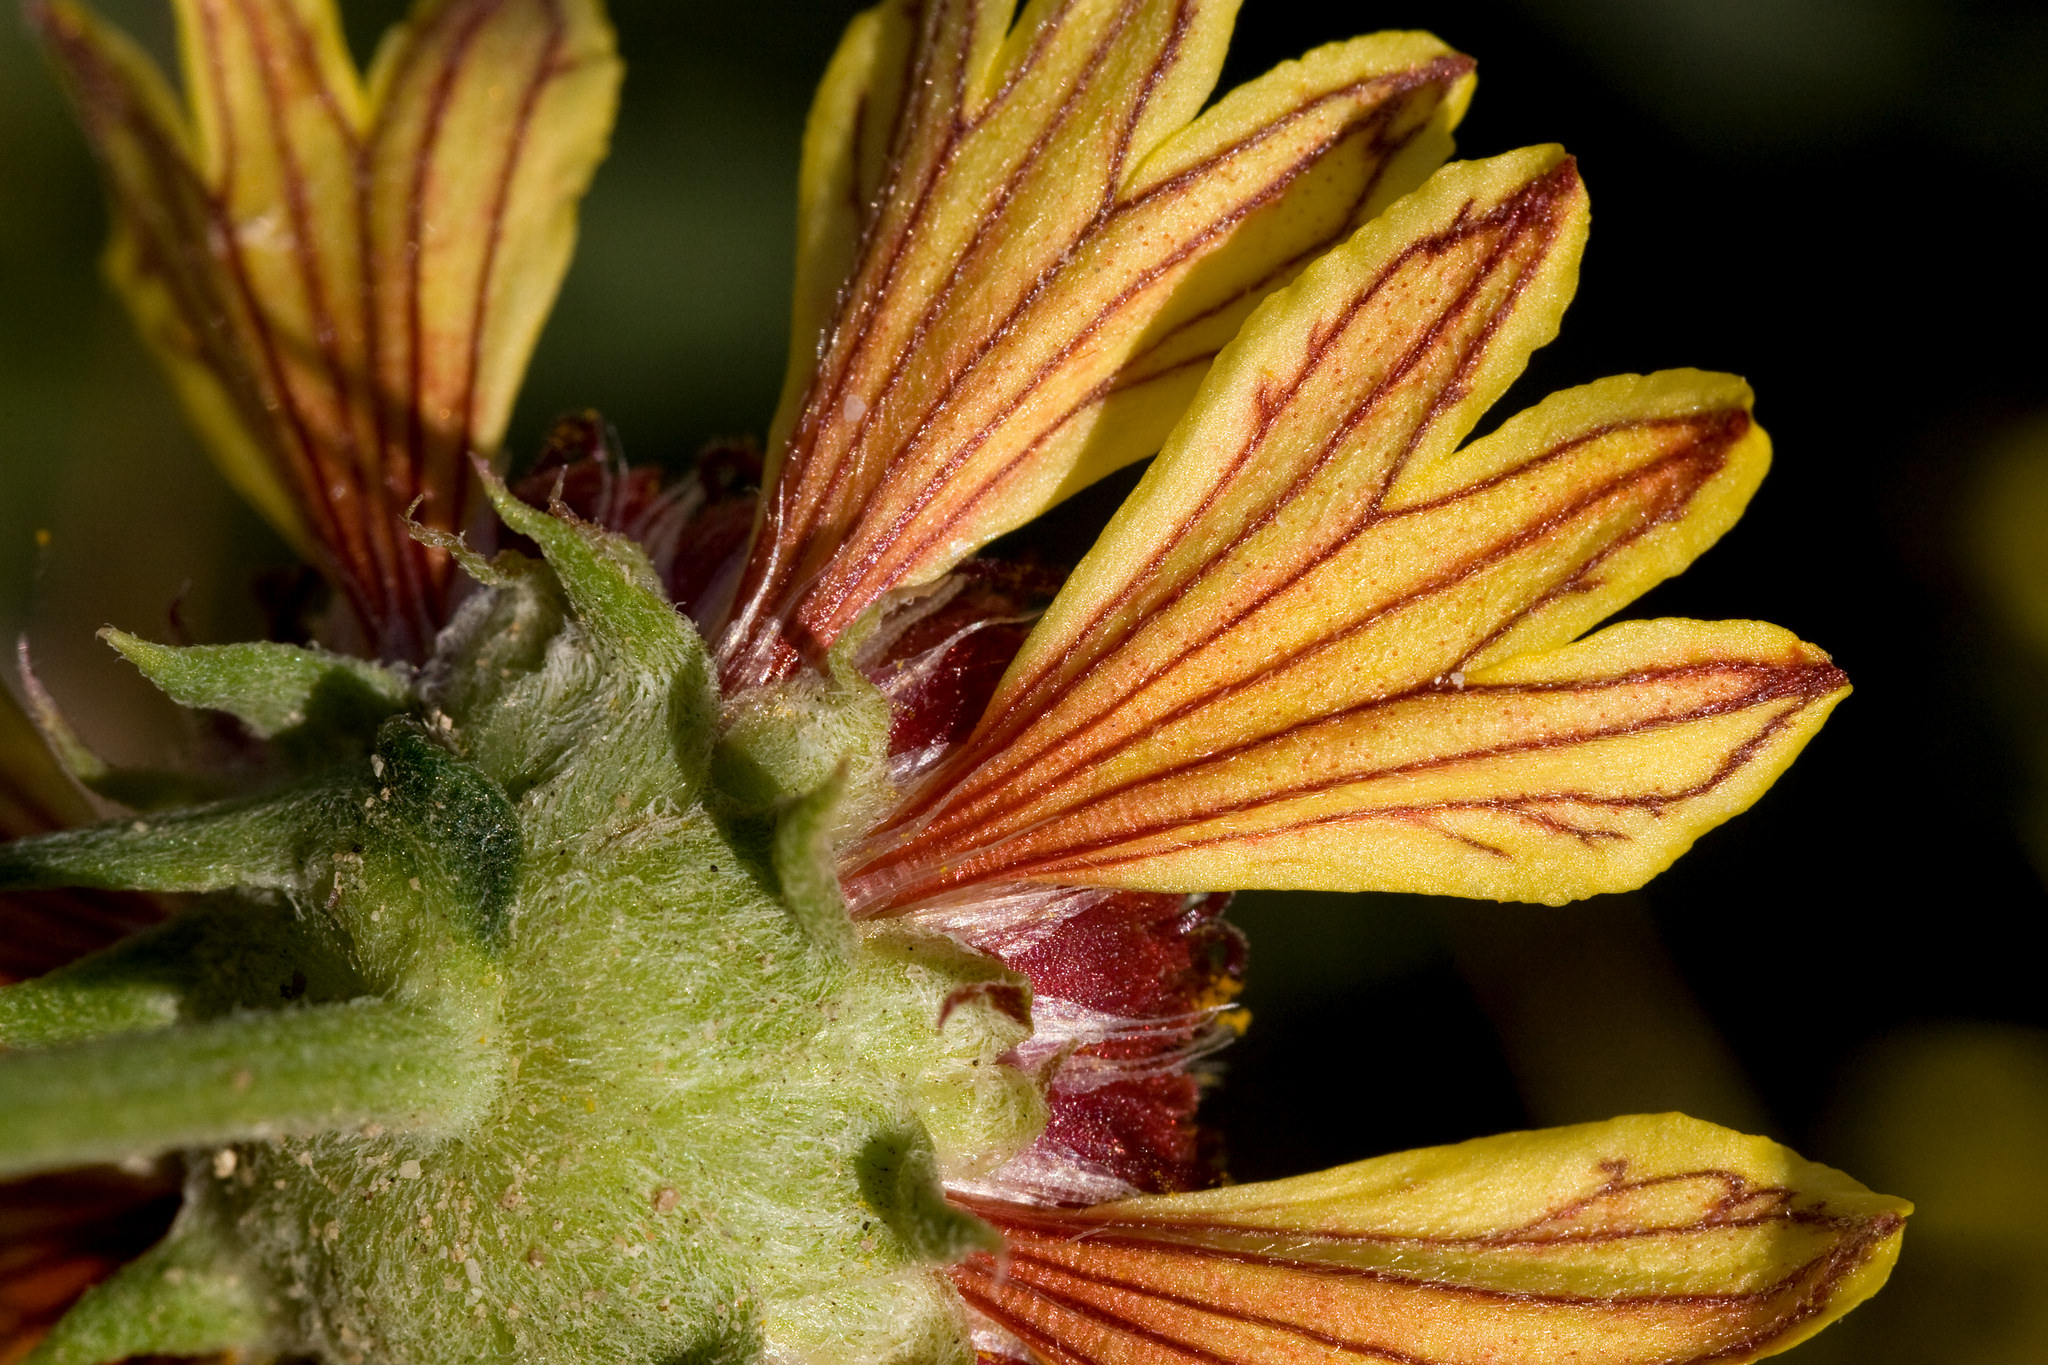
x: 343, y: 275
x: 794, y: 943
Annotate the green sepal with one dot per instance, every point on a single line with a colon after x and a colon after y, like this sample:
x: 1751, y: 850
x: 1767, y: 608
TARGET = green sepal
x: 493, y: 572
x: 193, y: 1293
x: 490, y: 668
x: 315, y: 706
x: 84, y: 1000
x: 809, y: 883
x: 413, y: 824
x: 245, y: 843
x: 610, y: 584
x: 799, y: 735
x: 644, y: 658
x: 978, y: 1112
x: 898, y: 1171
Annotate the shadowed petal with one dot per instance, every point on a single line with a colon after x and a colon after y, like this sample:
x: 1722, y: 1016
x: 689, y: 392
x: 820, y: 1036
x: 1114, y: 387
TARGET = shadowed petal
x: 35, y: 796
x: 1648, y: 1239
x: 344, y: 283
x: 1039, y: 261
x: 40, y: 930
x: 62, y: 1233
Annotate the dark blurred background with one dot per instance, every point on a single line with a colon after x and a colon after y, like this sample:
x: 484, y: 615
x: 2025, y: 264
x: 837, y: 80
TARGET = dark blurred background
x: 1840, y: 199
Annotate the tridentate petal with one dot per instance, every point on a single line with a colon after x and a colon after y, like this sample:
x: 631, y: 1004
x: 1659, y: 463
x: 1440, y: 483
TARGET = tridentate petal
x: 1039, y: 271
x: 1290, y: 621
x: 1647, y: 1239
x: 343, y: 280
x: 1554, y: 776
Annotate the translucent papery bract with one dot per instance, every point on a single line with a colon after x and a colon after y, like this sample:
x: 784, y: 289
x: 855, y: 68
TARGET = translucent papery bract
x: 1649, y: 1239
x: 1129, y: 989
x: 1323, y: 646
x: 1040, y: 255
x: 344, y: 278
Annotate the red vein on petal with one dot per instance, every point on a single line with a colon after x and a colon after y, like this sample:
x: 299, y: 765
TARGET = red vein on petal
x: 767, y: 564
x: 1702, y: 462
x: 1272, y: 403
x: 823, y: 616
x: 1046, y: 1268
x: 1051, y: 1271
x: 446, y: 73
x: 1041, y: 43
x: 1155, y: 71
x: 1020, y: 172
x: 383, y: 558
x: 1017, y: 856
x: 1874, y: 1229
x: 1083, y: 855
x: 1042, y: 1287
x: 871, y: 302
x: 1445, y: 71
x: 455, y: 471
x: 989, y: 1301
x: 1737, y: 1192
x: 319, y: 482
x: 1026, y: 702
x: 857, y: 572
x: 179, y: 188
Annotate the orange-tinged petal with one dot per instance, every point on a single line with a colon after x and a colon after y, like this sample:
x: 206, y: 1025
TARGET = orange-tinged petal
x: 1554, y: 776
x: 344, y: 284
x: 160, y: 256
x: 1040, y: 270
x: 1273, y: 670
x: 1381, y: 358
x: 1646, y: 1239
x: 62, y: 1233
x: 491, y: 118
x: 844, y: 160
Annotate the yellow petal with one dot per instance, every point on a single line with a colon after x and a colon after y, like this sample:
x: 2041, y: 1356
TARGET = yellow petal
x: 1273, y: 668
x: 161, y: 260
x: 845, y: 145
x: 344, y: 286
x: 492, y: 116
x: 1046, y: 262
x: 1647, y: 1239
x: 1374, y: 365
x: 1554, y: 776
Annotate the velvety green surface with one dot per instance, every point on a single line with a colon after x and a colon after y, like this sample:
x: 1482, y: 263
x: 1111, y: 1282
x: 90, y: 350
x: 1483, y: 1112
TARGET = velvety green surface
x: 534, y: 1032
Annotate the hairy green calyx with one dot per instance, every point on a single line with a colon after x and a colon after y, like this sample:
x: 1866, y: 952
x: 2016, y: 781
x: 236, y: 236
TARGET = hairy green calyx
x: 527, y: 1024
